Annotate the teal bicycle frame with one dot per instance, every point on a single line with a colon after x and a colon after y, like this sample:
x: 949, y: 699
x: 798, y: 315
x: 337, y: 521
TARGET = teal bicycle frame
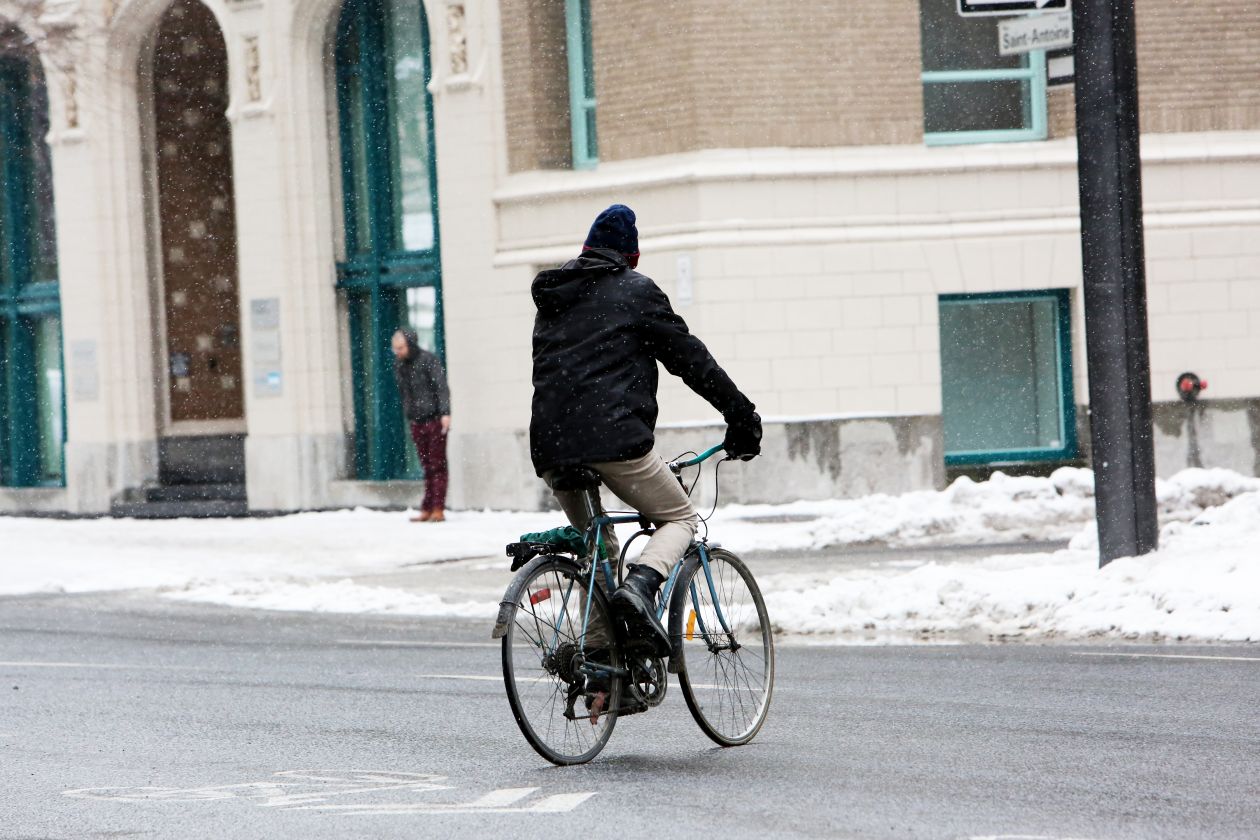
x: 595, y: 542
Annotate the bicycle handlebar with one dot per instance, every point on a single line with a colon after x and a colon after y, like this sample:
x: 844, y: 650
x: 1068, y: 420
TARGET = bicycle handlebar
x: 699, y: 459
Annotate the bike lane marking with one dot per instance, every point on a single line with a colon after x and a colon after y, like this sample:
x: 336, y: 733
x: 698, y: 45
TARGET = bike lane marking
x: 294, y: 790
x: 1171, y: 656
x: 495, y: 802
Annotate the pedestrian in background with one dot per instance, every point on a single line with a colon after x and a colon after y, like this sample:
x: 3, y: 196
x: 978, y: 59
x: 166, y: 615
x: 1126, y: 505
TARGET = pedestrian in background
x: 426, y: 401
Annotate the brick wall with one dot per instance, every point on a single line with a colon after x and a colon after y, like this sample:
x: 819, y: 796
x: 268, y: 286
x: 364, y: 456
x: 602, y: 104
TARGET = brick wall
x: 708, y: 74
x: 1199, y: 65
x: 645, y: 71
x: 1198, y: 68
x: 535, y: 82
x: 740, y: 74
x: 725, y: 74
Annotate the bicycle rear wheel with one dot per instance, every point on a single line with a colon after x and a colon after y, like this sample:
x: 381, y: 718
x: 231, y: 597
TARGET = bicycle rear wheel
x: 555, y: 703
x: 727, y: 678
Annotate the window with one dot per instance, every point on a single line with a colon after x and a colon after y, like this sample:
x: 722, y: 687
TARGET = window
x: 392, y: 275
x: 577, y: 24
x: 1006, y: 377
x: 970, y: 93
x: 32, y: 401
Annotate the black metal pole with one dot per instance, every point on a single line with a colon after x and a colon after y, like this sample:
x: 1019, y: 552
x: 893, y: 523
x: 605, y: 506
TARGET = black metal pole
x: 1110, y: 172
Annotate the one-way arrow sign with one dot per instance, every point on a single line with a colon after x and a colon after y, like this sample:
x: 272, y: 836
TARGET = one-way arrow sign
x: 973, y: 8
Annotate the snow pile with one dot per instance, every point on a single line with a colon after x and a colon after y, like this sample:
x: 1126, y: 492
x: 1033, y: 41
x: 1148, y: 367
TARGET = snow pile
x: 340, y: 596
x: 1203, y: 583
x: 1003, y: 509
x: 48, y: 555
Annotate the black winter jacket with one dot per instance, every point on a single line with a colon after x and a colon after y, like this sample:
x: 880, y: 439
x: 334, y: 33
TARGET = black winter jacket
x: 421, y: 383
x: 600, y: 330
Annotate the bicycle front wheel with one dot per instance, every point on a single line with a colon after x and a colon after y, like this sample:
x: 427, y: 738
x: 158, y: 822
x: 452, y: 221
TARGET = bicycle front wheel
x: 727, y: 647
x: 565, y: 712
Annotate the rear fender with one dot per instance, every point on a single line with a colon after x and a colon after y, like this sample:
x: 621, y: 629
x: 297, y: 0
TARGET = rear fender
x: 512, y: 596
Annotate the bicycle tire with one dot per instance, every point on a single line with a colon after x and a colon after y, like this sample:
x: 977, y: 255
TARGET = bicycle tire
x: 732, y: 707
x: 546, y: 622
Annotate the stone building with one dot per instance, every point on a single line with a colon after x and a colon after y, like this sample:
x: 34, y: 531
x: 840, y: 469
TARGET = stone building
x: 215, y: 214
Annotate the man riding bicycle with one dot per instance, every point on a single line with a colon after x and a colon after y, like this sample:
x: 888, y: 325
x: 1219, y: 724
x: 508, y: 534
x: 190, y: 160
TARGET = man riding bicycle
x: 600, y: 330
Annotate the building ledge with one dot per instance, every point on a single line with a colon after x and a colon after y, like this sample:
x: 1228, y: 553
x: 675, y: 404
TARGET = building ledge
x: 690, y: 168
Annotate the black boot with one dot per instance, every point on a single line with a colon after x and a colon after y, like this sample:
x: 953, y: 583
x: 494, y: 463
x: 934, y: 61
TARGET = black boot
x: 634, y: 602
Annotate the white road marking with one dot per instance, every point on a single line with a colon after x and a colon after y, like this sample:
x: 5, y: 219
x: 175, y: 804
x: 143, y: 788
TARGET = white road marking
x: 495, y: 802
x: 108, y: 665
x: 401, y: 643
x: 460, y: 677
x: 1022, y: 837
x: 560, y: 802
x: 1173, y: 656
x: 307, y: 790
x: 297, y: 787
x: 502, y: 798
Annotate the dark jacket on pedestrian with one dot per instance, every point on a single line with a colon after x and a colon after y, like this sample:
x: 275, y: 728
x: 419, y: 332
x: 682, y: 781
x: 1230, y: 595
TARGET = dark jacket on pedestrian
x: 421, y: 383
x: 600, y: 330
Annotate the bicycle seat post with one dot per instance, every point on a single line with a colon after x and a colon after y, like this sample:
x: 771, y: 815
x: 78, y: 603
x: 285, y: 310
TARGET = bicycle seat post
x: 590, y: 498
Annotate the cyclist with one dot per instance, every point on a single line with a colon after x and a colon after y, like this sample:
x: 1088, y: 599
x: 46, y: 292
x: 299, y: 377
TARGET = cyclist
x: 600, y: 330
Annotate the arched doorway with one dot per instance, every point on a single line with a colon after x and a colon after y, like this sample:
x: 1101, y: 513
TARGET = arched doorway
x: 32, y: 403
x: 391, y: 275
x: 203, y: 397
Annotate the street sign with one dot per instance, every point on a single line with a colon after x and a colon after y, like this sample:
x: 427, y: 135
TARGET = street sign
x: 1060, y: 68
x: 976, y: 8
x: 1034, y: 32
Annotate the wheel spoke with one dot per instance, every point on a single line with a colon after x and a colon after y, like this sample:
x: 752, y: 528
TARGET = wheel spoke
x: 734, y: 703
x: 540, y: 661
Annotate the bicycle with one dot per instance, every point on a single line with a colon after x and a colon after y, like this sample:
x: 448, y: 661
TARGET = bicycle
x: 561, y: 644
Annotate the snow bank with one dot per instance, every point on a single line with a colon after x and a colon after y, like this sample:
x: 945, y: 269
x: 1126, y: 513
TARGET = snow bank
x: 1203, y: 583
x: 1002, y: 509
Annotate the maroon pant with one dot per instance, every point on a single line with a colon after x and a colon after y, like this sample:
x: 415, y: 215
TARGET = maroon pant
x: 431, y: 447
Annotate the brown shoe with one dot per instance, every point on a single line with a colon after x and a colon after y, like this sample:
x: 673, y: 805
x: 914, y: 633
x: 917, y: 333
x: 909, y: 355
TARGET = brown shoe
x: 437, y: 516
x: 422, y: 516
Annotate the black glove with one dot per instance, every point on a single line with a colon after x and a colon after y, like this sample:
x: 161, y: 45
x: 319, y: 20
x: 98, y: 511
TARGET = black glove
x: 743, y: 437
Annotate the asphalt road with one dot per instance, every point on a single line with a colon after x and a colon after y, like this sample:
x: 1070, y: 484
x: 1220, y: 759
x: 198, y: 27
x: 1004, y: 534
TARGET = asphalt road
x: 127, y: 716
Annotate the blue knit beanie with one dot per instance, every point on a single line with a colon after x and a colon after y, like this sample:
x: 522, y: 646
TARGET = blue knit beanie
x: 614, y: 229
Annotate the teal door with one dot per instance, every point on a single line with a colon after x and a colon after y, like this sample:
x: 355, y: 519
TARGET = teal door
x: 392, y: 274
x: 1006, y: 377
x: 32, y: 403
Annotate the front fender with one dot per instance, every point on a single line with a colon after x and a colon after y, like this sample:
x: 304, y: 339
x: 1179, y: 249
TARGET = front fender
x: 678, y: 601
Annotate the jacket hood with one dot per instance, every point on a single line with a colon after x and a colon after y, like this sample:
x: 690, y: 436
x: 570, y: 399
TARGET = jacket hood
x: 413, y: 344
x: 555, y: 290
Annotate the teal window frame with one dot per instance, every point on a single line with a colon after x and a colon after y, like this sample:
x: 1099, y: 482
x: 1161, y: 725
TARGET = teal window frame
x: 378, y: 276
x: 29, y: 290
x: 1069, y: 450
x: 578, y: 43
x: 1035, y: 107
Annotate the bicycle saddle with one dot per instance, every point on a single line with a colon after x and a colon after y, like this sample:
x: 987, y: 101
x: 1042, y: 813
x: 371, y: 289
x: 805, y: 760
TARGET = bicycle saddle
x: 574, y: 477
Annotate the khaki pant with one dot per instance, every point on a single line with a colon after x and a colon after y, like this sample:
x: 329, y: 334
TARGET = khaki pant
x: 647, y: 485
